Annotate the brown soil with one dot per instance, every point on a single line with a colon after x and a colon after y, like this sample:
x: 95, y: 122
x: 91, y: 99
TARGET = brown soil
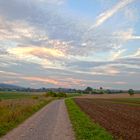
x: 110, y: 96
x: 122, y: 120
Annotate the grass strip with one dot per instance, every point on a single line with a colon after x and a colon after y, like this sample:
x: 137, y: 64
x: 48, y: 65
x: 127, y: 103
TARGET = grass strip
x: 84, y: 127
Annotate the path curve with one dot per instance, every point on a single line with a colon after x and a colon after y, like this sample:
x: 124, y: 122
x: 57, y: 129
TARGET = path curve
x: 50, y: 123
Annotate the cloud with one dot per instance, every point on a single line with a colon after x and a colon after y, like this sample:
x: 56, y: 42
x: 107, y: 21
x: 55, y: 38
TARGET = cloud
x: 20, y: 31
x: 44, y: 16
x: 9, y: 73
x: 106, y: 70
x: 10, y: 82
x: 40, y: 52
x: 109, y: 13
x: 117, y: 54
x: 137, y: 54
x: 43, y: 56
x: 134, y: 56
x: 3, y: 51
x: 40, y: 79
x: 57, y: 2
x: 47, y: 45
x: 131, y: 14
x: 126, y: 35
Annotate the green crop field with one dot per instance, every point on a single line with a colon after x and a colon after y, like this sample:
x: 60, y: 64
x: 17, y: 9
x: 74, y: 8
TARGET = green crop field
x: 14, y: 95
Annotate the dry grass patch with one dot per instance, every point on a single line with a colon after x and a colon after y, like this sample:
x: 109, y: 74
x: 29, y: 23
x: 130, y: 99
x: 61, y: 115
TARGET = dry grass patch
x: 15, y: 111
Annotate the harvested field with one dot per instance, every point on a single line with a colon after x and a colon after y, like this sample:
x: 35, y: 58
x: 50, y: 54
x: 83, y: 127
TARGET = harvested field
x: 109, y: 96
x: 120, y: 119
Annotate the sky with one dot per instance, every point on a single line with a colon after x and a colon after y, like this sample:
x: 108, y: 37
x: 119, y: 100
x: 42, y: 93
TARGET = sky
x: 69, y: 43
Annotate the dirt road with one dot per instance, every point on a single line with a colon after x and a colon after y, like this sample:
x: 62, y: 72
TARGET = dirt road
x: 50, y: 123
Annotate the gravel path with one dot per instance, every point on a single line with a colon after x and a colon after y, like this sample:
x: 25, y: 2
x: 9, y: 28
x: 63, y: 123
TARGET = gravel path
x: 50, y: 123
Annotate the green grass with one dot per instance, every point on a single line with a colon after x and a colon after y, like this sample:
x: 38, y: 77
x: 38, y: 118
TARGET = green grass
x: 15, y: 111
x: 14, y: 95
x: 84, y: 127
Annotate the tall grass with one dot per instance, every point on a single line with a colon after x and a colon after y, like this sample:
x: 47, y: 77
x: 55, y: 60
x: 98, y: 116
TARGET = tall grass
x: 15, y: 111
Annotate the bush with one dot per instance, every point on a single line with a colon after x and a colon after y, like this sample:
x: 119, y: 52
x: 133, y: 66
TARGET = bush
x: 131, y: 92
x: 61, y: 94
x: 101, y: 92
x: 88, y: 90
x: 53, y: 94
x: 35, y: 97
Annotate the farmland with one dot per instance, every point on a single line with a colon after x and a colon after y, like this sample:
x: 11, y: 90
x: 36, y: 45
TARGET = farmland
x: 14, y: 95
x: 83, y: 126
x: 16, y: 107
x: 119, y: 116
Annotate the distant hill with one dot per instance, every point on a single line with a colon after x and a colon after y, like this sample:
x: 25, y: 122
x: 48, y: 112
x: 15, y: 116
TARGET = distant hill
x: 9, y: 86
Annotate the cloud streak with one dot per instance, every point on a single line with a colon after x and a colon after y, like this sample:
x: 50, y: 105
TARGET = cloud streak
x: 109, y: 13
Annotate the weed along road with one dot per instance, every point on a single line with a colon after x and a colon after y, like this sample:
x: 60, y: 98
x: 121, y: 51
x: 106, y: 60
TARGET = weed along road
x: 50, y: 123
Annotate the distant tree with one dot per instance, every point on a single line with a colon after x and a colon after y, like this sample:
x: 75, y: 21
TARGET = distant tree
x: 101, y: 91
x: 54, y: 94
x: 121, y: 91
x: 108, y: 91
x: 51, y: 93
x: 88, y: 90
x: 101, y: 88
x: 94, y: 91
x: 79, y: 91
x: 131, y: 92
x: 61, y: 94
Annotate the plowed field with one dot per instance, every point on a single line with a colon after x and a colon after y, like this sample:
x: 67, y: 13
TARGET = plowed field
x: 122, y: 119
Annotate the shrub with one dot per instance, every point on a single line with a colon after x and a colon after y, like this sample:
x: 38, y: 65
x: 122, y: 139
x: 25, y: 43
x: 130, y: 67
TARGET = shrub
x: 35, y: 97
x: 50, y: 93
x: 61, y: 94
x: 88, y: 90
x: 101, y: 92
x: 53, y: 94
x: 131, y: 92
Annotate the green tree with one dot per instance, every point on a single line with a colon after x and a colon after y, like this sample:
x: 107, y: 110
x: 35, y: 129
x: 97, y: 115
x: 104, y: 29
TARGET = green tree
x: 131, y: 92
x: 101, y: 90
x: 51, y: 93
x: 61, y: 94
x: 88, y: 90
